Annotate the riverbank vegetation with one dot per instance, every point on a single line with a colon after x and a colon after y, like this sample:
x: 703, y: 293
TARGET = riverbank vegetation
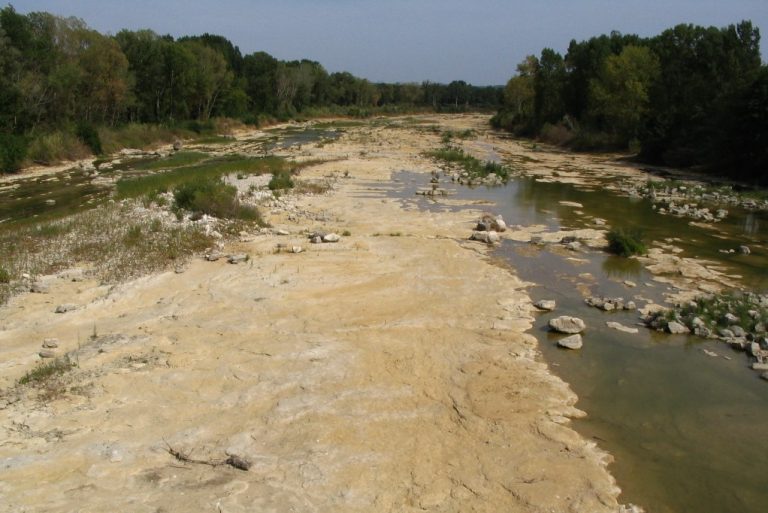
x: 625, y: 242
x: 689, y: 97
x: 473, y: 168
x: 67, y: 91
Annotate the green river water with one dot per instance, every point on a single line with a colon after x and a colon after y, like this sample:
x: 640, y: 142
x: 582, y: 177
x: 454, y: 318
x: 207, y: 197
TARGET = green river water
x: 688, y: 431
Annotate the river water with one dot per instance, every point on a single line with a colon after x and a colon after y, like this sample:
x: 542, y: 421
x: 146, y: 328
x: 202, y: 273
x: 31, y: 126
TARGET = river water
x: 687, y: 430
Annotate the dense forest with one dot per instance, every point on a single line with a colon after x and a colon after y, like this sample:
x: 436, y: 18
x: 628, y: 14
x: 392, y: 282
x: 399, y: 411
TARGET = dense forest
x: 61, y: 83
x: 691, y: 96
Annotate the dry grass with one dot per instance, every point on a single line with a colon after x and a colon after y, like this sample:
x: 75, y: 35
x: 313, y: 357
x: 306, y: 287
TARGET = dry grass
x: 117, y: 242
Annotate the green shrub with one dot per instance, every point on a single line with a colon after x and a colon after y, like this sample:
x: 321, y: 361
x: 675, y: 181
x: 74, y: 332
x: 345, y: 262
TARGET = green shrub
x: 626, y: 243
x: 13, y: 150
x: 281, y: 180
x: 5, y: 276
x: 90, y: 136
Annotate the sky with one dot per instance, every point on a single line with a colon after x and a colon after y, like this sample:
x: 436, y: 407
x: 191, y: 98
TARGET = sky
x: 478, y: 41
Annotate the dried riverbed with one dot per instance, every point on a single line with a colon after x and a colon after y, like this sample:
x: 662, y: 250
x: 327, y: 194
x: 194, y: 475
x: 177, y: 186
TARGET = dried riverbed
x: 389, y: 371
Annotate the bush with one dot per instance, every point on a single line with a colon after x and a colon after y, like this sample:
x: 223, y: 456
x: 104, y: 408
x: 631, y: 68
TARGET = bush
x: 625, y: 243
x: 213, y: 197
x: 5, y: 276
x: 281, y: 180
x: 13, y: 149
x: 90, y: 136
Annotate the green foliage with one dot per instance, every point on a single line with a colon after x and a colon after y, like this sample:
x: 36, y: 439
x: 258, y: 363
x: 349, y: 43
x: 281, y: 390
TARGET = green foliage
x: 475, y: 167
x: 90, y: 136
x: 213, y: 197
x: 691, y: 96
x: 625, y: 242
x: 13, y: 149
x: 5, y: 276
x: 281, y: 180
x: 56, y: 146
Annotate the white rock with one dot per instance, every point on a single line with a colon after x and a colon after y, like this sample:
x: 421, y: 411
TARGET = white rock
x: 546, y: 304
x: 236, y: 259
x: 572, y: 342
x: 51, y: 343
x: 331, y: 237
x: 66, y: 308
x: 566, y: 324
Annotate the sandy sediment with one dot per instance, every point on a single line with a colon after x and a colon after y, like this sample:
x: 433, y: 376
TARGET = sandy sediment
x: 387, y: 372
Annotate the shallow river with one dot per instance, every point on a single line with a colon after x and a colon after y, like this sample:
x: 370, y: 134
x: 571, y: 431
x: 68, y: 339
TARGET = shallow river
x: 687, y: 430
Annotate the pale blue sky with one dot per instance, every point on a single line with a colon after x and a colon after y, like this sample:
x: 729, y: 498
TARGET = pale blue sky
x: 479, y: 41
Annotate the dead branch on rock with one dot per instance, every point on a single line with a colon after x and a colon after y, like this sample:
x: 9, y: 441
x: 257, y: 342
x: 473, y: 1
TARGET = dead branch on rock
x: 232, y: 460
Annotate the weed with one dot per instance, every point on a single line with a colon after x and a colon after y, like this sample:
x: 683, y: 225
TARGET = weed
x: 281, y: 180
x: 213, y: 197
x: 626, y: 243
x: 346, y: 233
x: 44, y: 372
x: 475, y: 167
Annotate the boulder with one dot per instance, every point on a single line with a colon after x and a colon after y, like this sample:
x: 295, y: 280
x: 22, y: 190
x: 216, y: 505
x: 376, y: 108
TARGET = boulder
x: 738, y: 331
x: 213, y: 256
x: 744, y: 250
x: 677, y: 328
x: 572, y: 342
x: 68, y: 307
x: 545, y: 304
x: 566, y: 324
x: 760, y: 366
x: 573, y: 246
x: 731, y: 319
x: 177, y: 145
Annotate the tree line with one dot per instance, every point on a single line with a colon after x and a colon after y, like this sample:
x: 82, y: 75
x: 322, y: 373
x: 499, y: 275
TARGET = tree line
x: 691, y: 96
x: 58, y: 74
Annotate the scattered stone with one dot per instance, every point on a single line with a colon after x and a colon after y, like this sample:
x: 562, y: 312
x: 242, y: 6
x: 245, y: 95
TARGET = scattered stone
x: 764, y: 375
x: 566, y: 324
x: 676, y: 328
x: 545, y: 304
x: 238, y: 258
x: 213, y: 256
x: 317, y: 239
x: 620, y: 327
x: 599, y: 222
x: 331, y: 237
x: 760, y: 366
x: 709, y: 353
x: 68, y: 307
x: 744, y: 250
x: 177, y: 145
x: 488, y: 223
x: 297, y: 249
x: 282, y: 232
x: 738, y: 331
x: 731, y: 319
x: 51, y: 343
x: 47, y: 353
x: 630, y: 284
x: 50, y: 202
x: 572, y: 342
x: 630, y: 306
x: 571, y: 204
x: 39, y: 288
x: 726, y: 333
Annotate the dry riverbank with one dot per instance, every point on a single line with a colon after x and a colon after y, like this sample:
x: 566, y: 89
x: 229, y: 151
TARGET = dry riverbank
x: 387, y: 372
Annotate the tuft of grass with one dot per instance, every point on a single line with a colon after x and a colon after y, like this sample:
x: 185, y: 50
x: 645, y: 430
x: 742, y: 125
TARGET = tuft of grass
x: 45, y: 372
x: 306, y: 187
x: 5, y: 276
x: 55, y: 147
x: 346, y: 233
x: 626, y: 242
